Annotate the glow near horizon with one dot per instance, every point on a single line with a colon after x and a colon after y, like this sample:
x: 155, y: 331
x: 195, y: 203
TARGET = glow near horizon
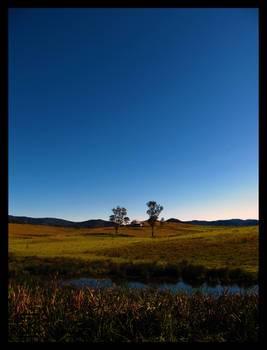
x: 231, y: 209
x: 239, y: 204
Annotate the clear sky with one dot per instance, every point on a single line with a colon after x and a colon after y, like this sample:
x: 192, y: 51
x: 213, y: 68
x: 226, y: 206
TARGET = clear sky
x: 115, y: 107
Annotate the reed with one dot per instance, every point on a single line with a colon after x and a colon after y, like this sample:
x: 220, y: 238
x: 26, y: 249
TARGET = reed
x: 49, y: 313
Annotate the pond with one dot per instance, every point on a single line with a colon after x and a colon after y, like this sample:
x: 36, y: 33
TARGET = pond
x: 215, y: 290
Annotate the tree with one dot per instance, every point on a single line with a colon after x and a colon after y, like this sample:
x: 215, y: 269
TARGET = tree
x: 153, y: 212
x: 161, y: 221
x: 117, y: 217
x: 126, y: 220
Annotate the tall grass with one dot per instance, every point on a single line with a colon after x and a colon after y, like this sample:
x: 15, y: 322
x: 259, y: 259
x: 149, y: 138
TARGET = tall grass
x: 50, y: 313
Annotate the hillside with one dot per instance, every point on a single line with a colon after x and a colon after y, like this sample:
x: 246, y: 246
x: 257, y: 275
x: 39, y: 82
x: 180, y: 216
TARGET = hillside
x: 210, y: 246
x: 59, y: 222
x: 230, y: 222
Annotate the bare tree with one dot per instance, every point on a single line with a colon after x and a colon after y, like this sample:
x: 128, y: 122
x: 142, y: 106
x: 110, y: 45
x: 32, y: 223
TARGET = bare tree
x: 117, y: 217
x: 153, y: 212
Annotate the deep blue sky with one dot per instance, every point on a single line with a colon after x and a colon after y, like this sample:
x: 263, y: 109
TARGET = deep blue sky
x: 115, y: 107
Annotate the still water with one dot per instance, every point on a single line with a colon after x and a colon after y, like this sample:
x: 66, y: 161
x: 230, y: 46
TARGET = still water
x: 173, y: 287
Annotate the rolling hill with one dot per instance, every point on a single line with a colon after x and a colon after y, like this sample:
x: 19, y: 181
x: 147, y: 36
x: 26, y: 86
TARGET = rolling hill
x: 230, y: 222
x: 59, y: 222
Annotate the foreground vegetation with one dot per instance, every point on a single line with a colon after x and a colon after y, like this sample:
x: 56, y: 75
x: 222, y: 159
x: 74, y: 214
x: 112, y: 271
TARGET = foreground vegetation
x: 57, y: 314
x: 64, y: 268
x: 44, y: 312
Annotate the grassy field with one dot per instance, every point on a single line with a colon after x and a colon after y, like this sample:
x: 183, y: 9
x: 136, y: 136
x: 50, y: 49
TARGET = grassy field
x: 44, y: 312
x: 212, y: 247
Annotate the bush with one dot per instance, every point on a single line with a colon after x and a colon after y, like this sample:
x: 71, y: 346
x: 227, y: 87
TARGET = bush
x: 194, y: 274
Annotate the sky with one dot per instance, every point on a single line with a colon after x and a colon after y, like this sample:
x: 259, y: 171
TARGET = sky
x: 120, y: 106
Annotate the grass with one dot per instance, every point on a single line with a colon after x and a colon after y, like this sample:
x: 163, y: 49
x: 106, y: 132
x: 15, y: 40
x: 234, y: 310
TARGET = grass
x: 44, y: 312
x: 212, y: 247
x: 53, y: 314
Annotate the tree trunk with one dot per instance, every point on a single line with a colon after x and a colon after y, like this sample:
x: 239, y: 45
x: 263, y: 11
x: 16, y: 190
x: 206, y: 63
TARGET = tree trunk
x: 152, y: 230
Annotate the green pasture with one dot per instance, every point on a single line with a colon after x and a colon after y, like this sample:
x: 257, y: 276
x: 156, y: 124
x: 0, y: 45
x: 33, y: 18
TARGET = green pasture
x: 212, y: 247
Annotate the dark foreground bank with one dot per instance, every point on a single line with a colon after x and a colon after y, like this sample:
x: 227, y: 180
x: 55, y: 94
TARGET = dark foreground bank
x: 21, y: 268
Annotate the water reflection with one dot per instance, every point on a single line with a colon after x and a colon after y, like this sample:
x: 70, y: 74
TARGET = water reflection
x: 173, y: 287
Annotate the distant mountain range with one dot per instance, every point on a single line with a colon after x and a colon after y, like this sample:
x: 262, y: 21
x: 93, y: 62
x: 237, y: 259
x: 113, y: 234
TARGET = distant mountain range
x: 230, y: 222
x: 103, y: 223
x: 59, y: 222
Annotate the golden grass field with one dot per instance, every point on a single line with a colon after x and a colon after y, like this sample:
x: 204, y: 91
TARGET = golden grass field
x: 213, y: 247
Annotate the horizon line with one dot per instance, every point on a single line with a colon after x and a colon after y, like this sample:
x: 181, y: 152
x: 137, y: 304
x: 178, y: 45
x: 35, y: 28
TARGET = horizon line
x: 50, y: 217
